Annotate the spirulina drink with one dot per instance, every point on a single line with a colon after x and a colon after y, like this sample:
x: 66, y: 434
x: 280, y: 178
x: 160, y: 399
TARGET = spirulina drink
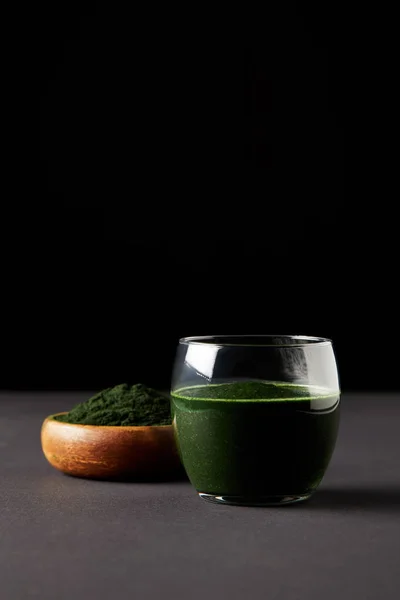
x: 255, y: 441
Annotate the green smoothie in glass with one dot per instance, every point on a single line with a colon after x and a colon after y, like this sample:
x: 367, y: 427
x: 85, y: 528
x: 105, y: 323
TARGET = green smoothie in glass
x: 255, y: 441
x: 255, y: 438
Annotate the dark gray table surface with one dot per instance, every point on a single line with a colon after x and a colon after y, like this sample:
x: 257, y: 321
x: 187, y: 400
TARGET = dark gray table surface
x: 66, y: 538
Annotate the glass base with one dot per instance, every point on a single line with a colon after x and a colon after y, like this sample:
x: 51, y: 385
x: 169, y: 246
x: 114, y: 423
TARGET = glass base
x: 254, y: 501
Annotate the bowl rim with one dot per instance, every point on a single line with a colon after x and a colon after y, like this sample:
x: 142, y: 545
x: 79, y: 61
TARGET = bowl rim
x: 50, y: 418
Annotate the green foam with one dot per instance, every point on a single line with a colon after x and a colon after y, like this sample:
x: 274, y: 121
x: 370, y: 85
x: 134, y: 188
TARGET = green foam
x: 254, y: 391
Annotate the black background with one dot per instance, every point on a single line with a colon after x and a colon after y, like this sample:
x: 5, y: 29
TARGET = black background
x: 188, y: 172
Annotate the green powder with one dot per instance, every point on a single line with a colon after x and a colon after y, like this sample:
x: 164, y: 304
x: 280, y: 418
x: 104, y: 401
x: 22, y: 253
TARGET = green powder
x: 122, y: 405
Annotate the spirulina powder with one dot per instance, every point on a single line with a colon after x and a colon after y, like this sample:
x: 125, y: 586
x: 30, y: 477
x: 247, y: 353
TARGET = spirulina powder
x: 122, y: 405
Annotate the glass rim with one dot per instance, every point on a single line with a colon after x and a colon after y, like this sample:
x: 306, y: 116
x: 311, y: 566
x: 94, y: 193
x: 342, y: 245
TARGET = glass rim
x: 297, y: 341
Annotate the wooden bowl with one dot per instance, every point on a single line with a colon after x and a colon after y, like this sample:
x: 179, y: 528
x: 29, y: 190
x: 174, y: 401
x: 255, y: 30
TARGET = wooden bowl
x: 111, y: 452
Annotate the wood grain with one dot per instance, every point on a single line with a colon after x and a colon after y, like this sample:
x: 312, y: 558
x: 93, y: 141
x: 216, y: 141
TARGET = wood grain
x: 111, y: 452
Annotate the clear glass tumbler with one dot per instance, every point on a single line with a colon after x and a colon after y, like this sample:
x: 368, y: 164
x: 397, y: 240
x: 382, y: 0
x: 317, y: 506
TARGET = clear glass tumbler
x: 255, y: 417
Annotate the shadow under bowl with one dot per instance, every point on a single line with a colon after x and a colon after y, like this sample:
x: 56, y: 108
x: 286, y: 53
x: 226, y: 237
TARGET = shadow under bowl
x: 111, y: 452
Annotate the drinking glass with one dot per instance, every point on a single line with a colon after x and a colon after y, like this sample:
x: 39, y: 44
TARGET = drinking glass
x: 255, y: 417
